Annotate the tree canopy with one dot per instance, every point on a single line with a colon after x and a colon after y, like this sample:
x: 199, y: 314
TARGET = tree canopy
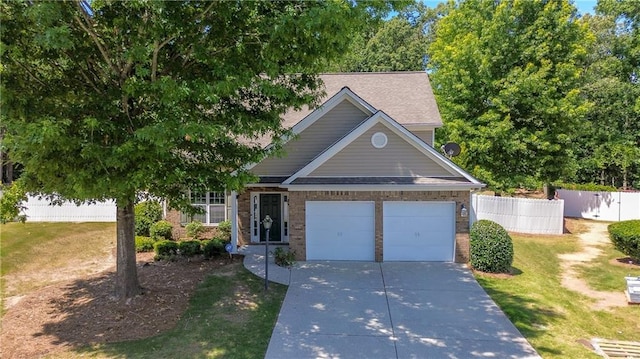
x: 506, y: 75
x: 609, y: 142
x: 396, y: 44
x: 110, y: 99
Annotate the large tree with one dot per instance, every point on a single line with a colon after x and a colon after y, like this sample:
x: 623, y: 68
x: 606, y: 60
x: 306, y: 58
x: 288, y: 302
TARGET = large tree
x: 396, y: 44
x: 506, y: 75
x: 111, y: 99
x: 610, y: 141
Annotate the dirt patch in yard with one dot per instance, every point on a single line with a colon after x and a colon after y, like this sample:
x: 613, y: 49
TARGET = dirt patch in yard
x: 595, y: 236
x: 83, y: 311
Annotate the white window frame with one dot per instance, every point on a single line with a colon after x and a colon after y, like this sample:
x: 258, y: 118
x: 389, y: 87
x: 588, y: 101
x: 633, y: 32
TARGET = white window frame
x: 210, y: 196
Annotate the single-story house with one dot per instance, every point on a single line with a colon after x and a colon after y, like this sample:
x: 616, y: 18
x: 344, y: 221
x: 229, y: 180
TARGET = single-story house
x: 360, y: 180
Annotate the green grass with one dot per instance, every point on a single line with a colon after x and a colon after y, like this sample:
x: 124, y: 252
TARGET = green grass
x: 37, y: 254
x: 601, y: 275
x: 48, y: 243
x: 229, y: 316
x: 551, y: 317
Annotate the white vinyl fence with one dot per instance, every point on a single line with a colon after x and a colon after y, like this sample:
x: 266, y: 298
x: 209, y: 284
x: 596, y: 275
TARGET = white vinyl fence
x: 602, y: 206
x: 40, y: 210
x: 523, y: 215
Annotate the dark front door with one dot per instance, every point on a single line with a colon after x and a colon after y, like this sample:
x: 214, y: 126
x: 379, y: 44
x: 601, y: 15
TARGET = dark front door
x: 270, y: 204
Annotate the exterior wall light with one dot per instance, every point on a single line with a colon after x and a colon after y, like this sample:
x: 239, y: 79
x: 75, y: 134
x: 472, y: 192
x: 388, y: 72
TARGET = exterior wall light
x: 463, y: 211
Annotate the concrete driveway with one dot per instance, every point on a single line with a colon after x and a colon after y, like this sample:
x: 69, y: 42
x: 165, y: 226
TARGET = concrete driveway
x: 391, y: 310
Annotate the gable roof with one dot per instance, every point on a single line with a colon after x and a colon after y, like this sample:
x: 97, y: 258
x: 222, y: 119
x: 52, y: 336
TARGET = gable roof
x: 391, y: 91
x: 344, y: 95
x: 458, y: 178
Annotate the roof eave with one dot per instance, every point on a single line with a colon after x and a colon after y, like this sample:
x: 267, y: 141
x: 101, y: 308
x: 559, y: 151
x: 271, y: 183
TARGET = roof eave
x: 413, y: 187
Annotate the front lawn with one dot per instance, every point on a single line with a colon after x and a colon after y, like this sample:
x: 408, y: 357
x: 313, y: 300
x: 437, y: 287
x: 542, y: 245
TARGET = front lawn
x: 229, y: 316
x: 552, y: 318
x: 37, y: 254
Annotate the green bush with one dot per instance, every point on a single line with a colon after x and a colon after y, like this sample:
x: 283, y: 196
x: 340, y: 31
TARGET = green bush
x: 491, y: 247
x: 195, y: 229
x: 625, y: 236
x: 591, y: 187
x: 284, y: 258
x: 165, y: 249
x: 189, y: 248
x: 214, y: 247
x: 146, y: 214
x: 224, y: 230
x: 11, y: 200
x: 161, y: 230
x: 144, y: 244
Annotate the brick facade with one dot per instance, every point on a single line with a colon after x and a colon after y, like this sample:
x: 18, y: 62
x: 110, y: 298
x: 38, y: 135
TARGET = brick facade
x: 297, y: 214
x: 179, y: 231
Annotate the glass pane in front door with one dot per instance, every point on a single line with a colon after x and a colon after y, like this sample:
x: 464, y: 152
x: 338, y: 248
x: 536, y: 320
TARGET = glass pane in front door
x: 270, y: 204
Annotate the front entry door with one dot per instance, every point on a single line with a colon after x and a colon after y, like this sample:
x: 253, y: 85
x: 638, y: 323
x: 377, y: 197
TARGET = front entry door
x: 270, y: 204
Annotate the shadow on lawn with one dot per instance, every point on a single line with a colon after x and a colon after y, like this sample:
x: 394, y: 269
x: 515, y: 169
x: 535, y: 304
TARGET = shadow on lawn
x: 528, y: 315
x: 220, y: 311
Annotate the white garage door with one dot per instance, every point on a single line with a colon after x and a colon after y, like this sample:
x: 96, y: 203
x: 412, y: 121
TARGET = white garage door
x: 418, y: 231
x: 340, y: 230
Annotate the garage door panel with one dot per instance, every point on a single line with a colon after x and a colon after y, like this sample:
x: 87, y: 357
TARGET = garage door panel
x: 340, y: 230
x: 418, y: 231
x: 331, y: 223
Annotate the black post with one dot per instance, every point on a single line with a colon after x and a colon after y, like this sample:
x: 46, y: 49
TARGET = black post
x: 266, y: 262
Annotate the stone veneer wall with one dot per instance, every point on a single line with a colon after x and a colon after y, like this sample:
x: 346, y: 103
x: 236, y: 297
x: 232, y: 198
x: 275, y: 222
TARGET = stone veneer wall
x: 297, y: 214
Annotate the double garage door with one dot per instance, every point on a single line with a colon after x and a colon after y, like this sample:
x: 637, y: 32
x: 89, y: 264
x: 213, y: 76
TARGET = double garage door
x: 412, y: 231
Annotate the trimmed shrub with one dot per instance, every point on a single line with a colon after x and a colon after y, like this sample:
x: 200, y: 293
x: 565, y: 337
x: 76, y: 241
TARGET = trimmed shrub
x: 189, y: 248
x: 161, y: 230
x: 284, y: 258
x: 144, y: 244
x: 165, y: 249
x: 146, y: 214
x: 195, y: 229
x: 625, y: 236
x: 224, y: 230
x: 491, y: 247
x: 214, y: 247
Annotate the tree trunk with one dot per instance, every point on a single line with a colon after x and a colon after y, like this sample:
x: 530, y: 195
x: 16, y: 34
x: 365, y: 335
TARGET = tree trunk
x: 127, y: 285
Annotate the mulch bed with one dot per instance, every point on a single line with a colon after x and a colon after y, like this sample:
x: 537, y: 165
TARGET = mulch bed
x: 84, y: 311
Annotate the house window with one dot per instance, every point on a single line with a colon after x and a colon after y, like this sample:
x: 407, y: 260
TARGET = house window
x: 213, y: 203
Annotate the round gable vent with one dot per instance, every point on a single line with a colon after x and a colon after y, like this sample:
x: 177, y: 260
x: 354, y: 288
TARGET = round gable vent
x: 379, y: 140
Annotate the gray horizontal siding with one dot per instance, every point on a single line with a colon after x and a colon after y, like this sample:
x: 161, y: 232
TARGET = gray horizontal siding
x: 397, y: 158
x: 426, y: 136
x: 313, y: 140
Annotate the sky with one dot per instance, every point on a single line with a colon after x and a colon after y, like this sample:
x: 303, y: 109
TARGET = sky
x: 584, y: 6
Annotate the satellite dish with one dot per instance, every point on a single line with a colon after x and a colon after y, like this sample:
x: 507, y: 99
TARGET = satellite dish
x: 451, y: 149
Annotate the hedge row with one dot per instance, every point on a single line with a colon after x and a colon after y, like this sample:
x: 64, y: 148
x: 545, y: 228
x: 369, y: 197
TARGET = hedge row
x: 591, y: 187
x: 625, y: 236
x: 165, y: 249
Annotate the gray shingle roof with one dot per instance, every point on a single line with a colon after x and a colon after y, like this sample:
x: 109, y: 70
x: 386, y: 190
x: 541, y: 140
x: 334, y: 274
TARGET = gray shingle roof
x: 405, y: 96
